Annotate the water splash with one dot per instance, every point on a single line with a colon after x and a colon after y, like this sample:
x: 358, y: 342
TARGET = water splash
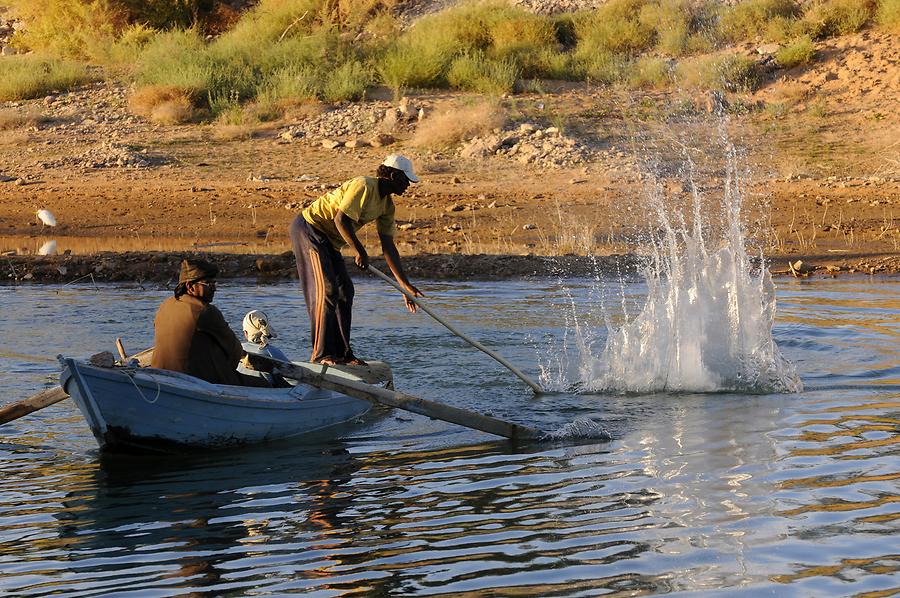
x: 580, y: 428
x: 707, y: 322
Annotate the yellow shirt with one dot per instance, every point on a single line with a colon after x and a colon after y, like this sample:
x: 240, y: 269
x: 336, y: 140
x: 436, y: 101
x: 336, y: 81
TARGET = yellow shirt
x: 357, y: 198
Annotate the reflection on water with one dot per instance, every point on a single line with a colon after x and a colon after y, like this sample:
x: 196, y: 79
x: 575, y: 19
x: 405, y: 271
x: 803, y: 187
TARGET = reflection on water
x: 732, y: 494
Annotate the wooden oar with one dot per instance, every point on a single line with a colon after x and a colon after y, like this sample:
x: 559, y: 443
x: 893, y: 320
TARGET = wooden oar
x: 52, y: 396
x: 399, y: 400
x: 534, y: 385
x: 43, y: 399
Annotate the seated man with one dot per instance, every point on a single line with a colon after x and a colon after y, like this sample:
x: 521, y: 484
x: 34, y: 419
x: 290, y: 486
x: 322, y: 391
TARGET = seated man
x: 191, y: 334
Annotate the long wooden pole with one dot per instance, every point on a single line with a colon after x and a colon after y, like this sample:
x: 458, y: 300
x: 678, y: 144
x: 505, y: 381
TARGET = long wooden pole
x: 42, y: 399
x: 534, y: 385
x: 399, y: 400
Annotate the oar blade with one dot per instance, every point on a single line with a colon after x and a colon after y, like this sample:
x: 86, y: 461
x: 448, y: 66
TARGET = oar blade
x: 31, y: 404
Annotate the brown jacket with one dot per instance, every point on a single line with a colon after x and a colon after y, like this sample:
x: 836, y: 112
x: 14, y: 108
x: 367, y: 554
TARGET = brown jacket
x: 193, y: 337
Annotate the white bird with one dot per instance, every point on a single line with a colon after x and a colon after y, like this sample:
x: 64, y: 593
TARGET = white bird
x: 46, y: 217
x: 48, y: 248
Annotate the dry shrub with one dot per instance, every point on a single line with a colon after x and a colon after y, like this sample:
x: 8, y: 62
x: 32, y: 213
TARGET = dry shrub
x: 19, y: 118
x: 173, y: 112
x: 162, y: 103
x: 232, y: 132
x: 455, y: 125
x: 791, y: 93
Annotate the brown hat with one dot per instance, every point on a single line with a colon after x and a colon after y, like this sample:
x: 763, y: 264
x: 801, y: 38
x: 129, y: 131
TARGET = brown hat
x: 196, y: 269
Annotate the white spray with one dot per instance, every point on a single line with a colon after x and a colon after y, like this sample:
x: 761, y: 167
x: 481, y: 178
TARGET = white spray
x: 706, y: 325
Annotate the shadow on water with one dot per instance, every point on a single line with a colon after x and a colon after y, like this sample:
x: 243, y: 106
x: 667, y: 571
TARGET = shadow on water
x: 187, y: 517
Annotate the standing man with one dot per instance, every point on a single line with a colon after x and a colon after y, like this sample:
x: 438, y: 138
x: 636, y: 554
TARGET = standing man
x: 192, y: 336
x: 329, y: 224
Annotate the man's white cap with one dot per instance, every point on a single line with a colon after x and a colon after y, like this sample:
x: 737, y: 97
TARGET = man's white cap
x: 256, y: 328
x: 403, y: 163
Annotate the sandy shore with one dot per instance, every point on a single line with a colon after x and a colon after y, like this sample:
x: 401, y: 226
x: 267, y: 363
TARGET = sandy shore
x: 162, y: 268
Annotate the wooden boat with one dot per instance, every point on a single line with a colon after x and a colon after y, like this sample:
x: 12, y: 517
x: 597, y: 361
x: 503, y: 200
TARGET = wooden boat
x: 140, y: 409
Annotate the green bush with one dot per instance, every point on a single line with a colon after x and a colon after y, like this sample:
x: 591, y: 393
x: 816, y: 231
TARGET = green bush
x: 837, y: 17
x: 127, y: 49
x: 476, y: 72
x: 888, y: 15
x: 733, y: 73
x: 25, y: 77
x: 525, y: 39
x: 347, y: 82
x: 176, y: 59
x: 165, y: 14
x: 799, y: 51
x: 723, y: 73
x: 291, y: 84
x: 407, y: 64
x: 604, y: 67
x: 649, y: 71
x: 672, y: 20
x: 747, y: 20
x: 614, y: 28
x: 80, y: 29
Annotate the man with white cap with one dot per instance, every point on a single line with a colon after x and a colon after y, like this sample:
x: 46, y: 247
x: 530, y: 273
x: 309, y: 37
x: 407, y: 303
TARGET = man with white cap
x: 320, y: 232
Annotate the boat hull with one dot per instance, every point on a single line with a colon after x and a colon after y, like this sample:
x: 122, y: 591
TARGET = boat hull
x: 146, y: 409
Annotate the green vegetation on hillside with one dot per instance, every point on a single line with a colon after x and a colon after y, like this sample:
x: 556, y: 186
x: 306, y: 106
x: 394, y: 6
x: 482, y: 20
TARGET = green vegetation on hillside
x: 285, y: 52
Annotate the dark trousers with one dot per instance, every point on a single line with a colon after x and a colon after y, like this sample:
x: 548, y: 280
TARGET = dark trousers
x: 327, y: 289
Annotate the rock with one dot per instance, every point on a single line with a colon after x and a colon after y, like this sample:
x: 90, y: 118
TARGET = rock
x: 800, y: 269
x: 529, y: 226
x: 457, y: 208
x: 291, y: 134
x: 354, y: 143
x: 381, y: 140
x: 332, y: 143
x: 453, y: 228
x: 8, y: 51
x: 407, y: 109
x: 768, y: 49
x: 456, y: 180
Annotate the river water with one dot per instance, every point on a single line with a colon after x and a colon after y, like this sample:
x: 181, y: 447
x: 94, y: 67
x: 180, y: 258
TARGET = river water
x: 719, y: 493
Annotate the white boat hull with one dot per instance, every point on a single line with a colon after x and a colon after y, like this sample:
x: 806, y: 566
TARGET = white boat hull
x: 145, y: 409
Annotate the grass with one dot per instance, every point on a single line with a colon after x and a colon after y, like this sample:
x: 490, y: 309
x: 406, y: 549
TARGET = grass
x: 799, y: 52
x: 616, y: 28
x: 26, y: 77
x: 476, y: 72
x: 829, y: 18
x: 284, y: 53
x: 747, y: 19
x: 650, y: 72
x: 888, y: 15
x: 80, y: 29
x: 451, y: 127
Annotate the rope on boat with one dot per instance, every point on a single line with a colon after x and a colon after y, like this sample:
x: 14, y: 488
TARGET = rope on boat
x: 129, y: 373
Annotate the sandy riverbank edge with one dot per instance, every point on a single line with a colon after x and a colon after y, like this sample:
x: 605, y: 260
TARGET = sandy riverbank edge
x: 162, y: 268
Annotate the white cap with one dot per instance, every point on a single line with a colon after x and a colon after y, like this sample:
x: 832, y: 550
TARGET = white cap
x: 403, y: 163
x: 256, y: 328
